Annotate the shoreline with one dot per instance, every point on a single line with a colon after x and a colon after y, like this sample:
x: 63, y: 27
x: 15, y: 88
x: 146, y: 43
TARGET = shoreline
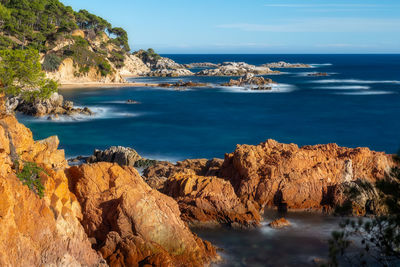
x: 104, y: 85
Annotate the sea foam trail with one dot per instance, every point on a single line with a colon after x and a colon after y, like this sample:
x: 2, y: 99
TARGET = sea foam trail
x: 316, y: 65
x: 98, y: 113
x: 355, y: 81
x: 344, y: 87
x: 366, y: 93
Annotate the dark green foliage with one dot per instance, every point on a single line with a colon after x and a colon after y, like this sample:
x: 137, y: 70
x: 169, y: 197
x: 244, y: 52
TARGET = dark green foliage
x: 149, y: 56
x: 378, y: 238
x: 21, y: 74
x: 29, y: 175
x: 51, y: 62
x: 121, y: 38
x: 6, y: 43
x: 117, y: 58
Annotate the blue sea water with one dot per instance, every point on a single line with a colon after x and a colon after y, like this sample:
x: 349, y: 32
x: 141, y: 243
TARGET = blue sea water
x: 357, y: 105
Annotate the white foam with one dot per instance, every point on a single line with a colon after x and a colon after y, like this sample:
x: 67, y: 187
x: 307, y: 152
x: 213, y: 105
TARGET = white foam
x: 355, y: 81
x: 317, y: 65
x: 367, y: 93
x: 344, y: 87
x: 98, y: 113
x: 275, y: 88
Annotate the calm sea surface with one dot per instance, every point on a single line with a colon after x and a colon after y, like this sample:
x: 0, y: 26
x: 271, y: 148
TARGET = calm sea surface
x: 357, y: 105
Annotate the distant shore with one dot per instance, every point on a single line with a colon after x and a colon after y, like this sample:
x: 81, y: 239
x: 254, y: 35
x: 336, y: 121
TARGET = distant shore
x: 104, y: 85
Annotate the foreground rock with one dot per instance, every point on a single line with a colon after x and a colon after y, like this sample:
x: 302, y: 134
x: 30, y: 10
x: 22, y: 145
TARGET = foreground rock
x: 252, y: 82
x: 283, y: 65
x: 210, y: 201
x: 279, y: 223
x: 204, y: 200
x: 236, y: 69
x: 38, y: 232
x: 131, y: 223
x: 288, y: 177
x: 53, y: 107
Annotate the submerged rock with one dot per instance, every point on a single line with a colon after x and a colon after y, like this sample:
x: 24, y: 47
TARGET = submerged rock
x: 182, y: 84
x: 279, y: 223
x: 318, y: 74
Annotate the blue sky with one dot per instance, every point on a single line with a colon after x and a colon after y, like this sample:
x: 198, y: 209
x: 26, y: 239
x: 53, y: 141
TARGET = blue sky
x: 254, y: 26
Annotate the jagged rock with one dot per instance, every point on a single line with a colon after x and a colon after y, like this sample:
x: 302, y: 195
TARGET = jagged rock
x: 170, y: 73
x: 131, y: 101
x: 210, y: 200
x: 134, y: 66
x: 116, y: 154
x: 131, y: 223
x: 155, y: 174
x: 288, y: 177
x: 167, y: 63
x: 235, y: 69
x: 55, y: 105
x: 38, y: 232
x: 282, y: 65
x: 279, y: 223
x: 252, y: 82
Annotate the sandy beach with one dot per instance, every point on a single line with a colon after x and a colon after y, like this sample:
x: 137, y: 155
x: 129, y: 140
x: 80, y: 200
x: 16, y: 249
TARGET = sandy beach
x: 104, y: 85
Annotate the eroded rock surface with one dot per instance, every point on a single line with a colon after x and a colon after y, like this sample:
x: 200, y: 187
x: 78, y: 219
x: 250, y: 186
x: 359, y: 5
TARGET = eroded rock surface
x: 235, y: 69
x: 284, y: 175
x: 131, y: 223
x: 38, y: 232
x: 252, y: 82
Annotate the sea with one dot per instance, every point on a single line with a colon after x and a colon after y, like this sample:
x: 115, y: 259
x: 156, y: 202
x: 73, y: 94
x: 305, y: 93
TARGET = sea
x: 356, y: 105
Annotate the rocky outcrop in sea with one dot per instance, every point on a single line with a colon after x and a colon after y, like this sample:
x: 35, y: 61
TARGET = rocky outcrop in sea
x: 252, y: 82
x: 235, y: 69
x: 52, y: 107
x: 170, y: 73
x: 284, y: 65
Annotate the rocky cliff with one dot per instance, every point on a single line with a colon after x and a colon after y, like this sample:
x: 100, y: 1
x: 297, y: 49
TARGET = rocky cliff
x: 86, y: 214
x: 283, y: 176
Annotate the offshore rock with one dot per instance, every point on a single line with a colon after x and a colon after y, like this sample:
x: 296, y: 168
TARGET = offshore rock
x: 288, y: 177
x: 235, y: 69
x: 279, y: 223
x: 53, y: 106
x: 132, y: 224
x: 249, y: 80
x: 282, y: 65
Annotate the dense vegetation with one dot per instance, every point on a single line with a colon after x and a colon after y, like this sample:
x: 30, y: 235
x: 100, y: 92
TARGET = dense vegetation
x: 378, y: 238
x: 29, y: 174
x: 45, y: 24
x: 21, y: 74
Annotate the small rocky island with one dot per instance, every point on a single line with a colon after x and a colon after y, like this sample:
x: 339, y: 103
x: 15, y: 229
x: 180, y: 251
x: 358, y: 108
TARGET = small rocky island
x: 252, y: 82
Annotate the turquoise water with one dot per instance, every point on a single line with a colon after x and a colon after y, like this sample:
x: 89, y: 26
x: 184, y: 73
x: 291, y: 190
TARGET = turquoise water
x: 357, y: 105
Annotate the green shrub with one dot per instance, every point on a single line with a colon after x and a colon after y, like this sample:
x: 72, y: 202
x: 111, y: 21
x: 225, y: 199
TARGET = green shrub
x: 30, y: 176
x: 51, y: 62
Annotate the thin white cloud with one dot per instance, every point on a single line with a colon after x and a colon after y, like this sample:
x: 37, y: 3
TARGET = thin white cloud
x: 320, y: 25
x: 322, y: 5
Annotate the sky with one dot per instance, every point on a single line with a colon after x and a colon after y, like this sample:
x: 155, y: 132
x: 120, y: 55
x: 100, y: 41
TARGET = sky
x: 254, y: 26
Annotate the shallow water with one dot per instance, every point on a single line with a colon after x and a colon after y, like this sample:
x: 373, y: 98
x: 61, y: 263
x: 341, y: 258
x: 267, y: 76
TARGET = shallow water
x: 297, y: 245
x: 357, y: 105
